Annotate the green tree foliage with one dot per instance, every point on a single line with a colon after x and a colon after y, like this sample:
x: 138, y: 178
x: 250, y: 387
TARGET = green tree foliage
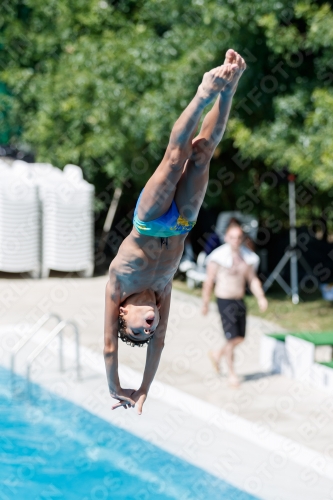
x: 298, y: 135
x: 99, y: 83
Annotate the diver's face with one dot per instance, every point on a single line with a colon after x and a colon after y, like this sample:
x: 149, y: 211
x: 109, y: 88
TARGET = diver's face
x: 141, y: 321
x: 234, y: 237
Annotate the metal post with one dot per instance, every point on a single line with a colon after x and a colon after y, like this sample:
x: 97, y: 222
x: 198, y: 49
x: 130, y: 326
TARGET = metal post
x: 293, y: 241
x: 293, y: 253
x: 109, y: 218
x: 276, y: 272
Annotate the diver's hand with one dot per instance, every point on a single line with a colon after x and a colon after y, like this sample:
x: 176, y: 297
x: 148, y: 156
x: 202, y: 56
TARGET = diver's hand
x: 124, y: 398
x: 139, y: 397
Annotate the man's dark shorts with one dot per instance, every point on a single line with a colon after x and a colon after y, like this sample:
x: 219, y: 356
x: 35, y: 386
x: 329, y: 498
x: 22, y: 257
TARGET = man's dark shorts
x: 233, y: 316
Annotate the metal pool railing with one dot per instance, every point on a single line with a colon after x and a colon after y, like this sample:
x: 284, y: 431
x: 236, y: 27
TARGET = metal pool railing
x: 25, y: 339
x: 57, y: 330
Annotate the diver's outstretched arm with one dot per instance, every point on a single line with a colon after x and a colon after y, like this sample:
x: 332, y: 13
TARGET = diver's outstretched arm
x: 154, y: 352
x: 111, y: 349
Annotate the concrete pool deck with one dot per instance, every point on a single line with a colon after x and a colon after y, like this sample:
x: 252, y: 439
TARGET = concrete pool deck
x: 273, y: 404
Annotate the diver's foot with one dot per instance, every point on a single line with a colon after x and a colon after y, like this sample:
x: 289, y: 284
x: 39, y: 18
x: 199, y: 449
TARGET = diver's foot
x: 215, y: 362
x: 230, y: 57
x: 233, y: 58
x: 216, y: 80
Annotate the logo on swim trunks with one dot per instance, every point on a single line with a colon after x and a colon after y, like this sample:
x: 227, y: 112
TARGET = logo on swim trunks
x: 183, y: 224
x: 143, y: 228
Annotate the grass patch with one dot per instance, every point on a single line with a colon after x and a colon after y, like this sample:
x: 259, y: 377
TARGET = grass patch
x: 311, y: 314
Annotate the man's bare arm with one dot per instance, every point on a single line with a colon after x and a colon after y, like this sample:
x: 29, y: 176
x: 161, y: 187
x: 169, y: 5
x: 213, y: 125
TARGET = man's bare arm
x: 154, y: 352
x: 111, y: 347
x: 257, y: 290
x: 208, y: 286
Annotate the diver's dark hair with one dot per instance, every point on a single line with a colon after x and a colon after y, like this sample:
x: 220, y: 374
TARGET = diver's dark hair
x: 124, y: 337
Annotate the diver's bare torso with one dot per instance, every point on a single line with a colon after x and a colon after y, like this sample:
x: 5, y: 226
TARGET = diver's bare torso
x: 145, y: 262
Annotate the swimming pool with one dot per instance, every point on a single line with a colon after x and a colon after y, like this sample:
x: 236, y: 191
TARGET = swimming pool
x: 53, y: 449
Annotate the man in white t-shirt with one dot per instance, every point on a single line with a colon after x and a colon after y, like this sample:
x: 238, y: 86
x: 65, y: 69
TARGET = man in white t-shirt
x: 229, y: 268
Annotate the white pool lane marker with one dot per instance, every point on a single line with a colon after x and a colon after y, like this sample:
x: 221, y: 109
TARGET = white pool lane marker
x: 209, y: 414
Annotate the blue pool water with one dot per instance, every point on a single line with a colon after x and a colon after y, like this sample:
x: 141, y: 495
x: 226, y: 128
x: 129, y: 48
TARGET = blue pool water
x: 52, y: 449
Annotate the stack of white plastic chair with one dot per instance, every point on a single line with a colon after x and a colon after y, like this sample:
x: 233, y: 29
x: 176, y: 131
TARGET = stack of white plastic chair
x: 19, y: 220
x: 67, y: 221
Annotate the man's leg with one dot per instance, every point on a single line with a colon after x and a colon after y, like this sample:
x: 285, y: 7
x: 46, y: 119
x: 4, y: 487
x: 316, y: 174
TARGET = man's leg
x: 229, y: 356
x: 228, y: 351
x: 161, y: 187
x: 233, y: 317
x: 192, y: 186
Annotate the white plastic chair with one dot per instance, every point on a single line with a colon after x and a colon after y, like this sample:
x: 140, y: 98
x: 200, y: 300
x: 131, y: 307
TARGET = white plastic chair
x: 68, y: 230
x: 196, y: 276
x: 19, y: 222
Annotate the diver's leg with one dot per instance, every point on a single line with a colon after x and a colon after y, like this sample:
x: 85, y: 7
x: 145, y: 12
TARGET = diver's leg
x: 192, y: 186
x: 161, y: 187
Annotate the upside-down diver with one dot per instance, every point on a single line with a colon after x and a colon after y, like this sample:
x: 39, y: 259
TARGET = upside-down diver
x: 138, y: 292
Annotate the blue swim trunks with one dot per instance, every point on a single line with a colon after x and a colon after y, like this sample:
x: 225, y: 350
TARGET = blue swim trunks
x: 169, y: 224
